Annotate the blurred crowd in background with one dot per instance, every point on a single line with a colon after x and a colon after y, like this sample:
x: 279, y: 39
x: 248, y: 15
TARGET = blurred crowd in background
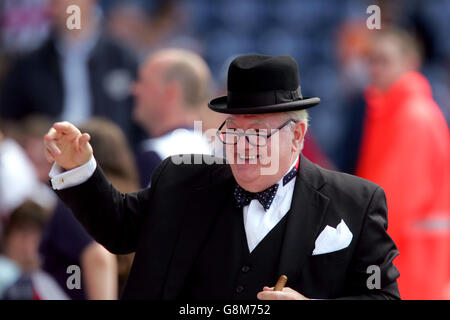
x: 140, y: 72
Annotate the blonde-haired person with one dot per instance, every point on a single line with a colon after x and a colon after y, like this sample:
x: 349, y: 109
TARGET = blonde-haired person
x: 172, y: 89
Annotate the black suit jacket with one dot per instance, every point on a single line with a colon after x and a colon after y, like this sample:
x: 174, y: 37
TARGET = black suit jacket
x: 167, y: 224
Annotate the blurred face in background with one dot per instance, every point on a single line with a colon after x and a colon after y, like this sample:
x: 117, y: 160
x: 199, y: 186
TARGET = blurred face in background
x: 150, y: 92
x: 34, y: 147
x: 388, y: 61
x: 58, y: 14
x: 29, y: 135
x: 22, y: 246
x: 247, y: 161
x: 353, y: 41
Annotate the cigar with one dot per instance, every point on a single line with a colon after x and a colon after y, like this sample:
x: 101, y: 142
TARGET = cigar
x: 280, y: 283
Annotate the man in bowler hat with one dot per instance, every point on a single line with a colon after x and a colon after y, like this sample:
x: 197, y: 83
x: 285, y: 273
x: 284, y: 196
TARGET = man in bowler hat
x: 221, y: 231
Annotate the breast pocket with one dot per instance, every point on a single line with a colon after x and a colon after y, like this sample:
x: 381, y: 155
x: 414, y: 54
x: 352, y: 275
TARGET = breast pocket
x: 325, y: 274
x: 335, y: 257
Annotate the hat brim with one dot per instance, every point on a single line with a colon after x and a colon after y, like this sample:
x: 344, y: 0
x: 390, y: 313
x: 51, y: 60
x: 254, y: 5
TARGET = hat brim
x: 220, y: 105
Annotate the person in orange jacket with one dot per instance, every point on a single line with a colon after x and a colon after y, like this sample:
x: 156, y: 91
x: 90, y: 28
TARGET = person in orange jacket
x: 406, y: 150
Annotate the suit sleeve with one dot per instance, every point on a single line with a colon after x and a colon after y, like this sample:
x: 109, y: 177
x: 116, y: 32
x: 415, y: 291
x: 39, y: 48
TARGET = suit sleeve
x: 112, y: 218
x: 374, y: 256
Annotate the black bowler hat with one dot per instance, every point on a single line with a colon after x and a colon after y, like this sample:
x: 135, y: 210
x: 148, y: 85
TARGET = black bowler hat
x: 262, y: 84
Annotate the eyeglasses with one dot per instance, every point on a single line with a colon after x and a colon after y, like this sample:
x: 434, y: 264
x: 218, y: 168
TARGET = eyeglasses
x: 257, y: 139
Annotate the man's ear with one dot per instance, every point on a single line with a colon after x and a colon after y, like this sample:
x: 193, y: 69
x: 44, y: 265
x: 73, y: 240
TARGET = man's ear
x: 299, y: 131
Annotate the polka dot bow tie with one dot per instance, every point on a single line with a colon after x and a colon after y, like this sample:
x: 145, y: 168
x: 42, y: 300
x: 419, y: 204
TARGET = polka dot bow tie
x: 265, y: 197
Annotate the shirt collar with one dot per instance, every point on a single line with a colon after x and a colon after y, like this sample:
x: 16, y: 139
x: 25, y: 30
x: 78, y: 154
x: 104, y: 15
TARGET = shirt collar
x: 295, y: 165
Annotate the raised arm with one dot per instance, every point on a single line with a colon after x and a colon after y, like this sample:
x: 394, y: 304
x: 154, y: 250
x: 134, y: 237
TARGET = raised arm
x: 113, y: 219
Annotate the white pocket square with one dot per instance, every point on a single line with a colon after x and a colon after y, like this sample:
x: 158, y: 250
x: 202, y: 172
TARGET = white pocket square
x: 333, y: 239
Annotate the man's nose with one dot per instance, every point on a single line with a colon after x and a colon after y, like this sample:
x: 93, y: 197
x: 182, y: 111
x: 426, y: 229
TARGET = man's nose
x: 243, y: 143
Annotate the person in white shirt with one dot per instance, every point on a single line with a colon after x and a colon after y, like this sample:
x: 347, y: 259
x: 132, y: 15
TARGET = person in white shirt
x: 19, y: 180
x: 172, y: 87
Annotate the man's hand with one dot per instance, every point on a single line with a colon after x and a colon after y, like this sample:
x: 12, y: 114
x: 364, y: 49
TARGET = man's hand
x: 286, y: 294
x: 66, y: 145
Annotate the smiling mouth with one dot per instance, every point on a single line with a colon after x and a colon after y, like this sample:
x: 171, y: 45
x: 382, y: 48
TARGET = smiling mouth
x: 243, y: 157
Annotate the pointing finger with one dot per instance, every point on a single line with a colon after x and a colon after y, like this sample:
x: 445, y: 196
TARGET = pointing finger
x: 51, y: 135
x: 66, y: 128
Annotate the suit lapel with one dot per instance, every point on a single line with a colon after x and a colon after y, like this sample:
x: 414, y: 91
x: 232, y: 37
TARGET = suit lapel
x: 304, y: 220
x: 203, y: 207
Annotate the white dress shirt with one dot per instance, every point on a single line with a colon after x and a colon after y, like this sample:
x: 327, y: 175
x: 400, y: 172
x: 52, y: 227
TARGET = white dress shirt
x: 61, y: 179
x: 257, y: 221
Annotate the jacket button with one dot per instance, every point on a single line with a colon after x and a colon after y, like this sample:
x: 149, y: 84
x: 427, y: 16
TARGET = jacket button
x: 245, y: 269
x: 239, y: 289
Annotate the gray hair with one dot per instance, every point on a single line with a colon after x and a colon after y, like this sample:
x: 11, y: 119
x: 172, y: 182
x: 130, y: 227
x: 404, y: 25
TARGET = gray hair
x: 300, y: 116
